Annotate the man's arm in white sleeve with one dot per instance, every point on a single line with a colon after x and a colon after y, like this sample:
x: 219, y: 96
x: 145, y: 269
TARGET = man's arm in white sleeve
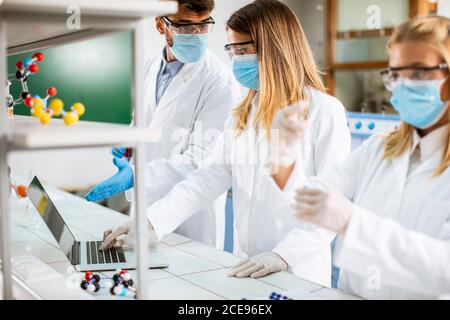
x: 198, y: 191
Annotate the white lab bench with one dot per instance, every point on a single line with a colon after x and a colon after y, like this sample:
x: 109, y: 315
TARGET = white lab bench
x: 196, y: 271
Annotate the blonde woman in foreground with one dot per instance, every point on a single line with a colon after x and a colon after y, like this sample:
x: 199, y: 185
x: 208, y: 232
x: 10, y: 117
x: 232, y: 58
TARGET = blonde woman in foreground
x: 390, y: 200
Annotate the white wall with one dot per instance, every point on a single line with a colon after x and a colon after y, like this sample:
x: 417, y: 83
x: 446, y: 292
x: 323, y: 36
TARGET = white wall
x: 70, y: 169
x: 444, y: 8
x: 224, y: 9
x: 311, y: 14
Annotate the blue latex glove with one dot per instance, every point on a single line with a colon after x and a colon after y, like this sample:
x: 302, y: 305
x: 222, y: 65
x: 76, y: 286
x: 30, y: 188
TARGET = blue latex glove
x: 119, y: 152
x: 120, y: 182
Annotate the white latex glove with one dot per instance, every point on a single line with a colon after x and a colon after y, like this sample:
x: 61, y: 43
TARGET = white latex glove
x: 292, y: 126
x: 325, y: 208
x: 124, y: 235
x: 259, y: 266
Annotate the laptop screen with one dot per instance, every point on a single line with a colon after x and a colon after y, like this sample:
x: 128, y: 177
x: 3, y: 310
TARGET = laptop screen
x: 41, y: 201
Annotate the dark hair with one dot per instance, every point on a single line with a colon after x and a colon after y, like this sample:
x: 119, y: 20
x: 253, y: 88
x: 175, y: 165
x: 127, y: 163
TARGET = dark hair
x: 199, y: 6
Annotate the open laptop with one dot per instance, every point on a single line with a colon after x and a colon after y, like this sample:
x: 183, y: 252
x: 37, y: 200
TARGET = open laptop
x: 85, y: 255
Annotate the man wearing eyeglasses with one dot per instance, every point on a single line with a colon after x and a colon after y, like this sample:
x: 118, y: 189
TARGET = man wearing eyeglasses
x: 189, y: 93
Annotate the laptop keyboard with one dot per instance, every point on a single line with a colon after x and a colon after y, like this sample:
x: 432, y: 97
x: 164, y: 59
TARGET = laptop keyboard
x: 96, y: 256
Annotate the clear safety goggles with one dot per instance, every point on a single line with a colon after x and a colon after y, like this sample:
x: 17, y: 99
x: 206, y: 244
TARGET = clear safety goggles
x: 390, y: 76
x: 190, y: 28
x: 241, y: 49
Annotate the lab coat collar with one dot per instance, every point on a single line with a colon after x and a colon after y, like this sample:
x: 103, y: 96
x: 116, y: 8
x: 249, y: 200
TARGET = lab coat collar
x: 179, y: 83
x: 415, y: 143
x: 151, y: 79
x: 431, y: 143
x: 432, y: 148
x: 173, y: 67
x: 261, y: 134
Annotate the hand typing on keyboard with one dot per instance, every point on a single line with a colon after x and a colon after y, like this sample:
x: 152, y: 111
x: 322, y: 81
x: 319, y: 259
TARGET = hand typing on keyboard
x: 124, y: 235
x: 97, y: 256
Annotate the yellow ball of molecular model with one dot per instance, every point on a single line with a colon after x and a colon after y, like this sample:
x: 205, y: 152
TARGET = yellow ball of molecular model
x: 56, y: 109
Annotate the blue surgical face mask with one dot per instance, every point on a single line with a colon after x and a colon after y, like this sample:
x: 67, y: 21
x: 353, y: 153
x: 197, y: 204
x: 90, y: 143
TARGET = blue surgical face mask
x: 419, y: 102
x: 189, y: 48
x: 246, y: 70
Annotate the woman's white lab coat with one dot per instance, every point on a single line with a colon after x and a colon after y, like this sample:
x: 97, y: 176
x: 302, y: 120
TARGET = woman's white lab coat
x: 190, y: 116
x: 240, y: 162
x: 397, y: 245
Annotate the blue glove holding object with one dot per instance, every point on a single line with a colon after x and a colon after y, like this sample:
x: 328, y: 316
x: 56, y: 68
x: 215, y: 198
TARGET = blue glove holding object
x: 120, y: 182
x: 119, y: 152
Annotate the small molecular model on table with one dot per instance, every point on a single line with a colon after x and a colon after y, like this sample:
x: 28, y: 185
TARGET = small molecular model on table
x: 91, y: 282
x: 277, y: 296
x: 40, y: 107
x: 121, y: 285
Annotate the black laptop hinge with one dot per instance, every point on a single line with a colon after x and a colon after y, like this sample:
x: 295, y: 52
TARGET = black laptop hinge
x: 76, y: 253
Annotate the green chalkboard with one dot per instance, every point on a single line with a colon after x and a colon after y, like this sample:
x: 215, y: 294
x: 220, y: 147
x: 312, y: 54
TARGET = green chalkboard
x: 96, y: 72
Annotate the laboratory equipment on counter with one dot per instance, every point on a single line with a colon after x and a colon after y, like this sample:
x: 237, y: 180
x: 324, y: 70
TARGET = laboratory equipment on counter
x: 84, y: 255
x: 364, y: 125
x: 121, y: 284
x: 282, y: 295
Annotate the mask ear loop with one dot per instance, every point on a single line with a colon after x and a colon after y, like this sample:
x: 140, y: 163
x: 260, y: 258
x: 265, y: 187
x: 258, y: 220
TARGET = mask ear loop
x: 167, y: 29
x: 446, y: 103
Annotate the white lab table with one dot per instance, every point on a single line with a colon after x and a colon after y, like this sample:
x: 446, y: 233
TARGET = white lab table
x: 196, y: 271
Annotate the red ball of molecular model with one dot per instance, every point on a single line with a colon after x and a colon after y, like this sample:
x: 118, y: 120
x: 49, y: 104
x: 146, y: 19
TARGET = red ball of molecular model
x: 40, y: 108
x: 20, y: 190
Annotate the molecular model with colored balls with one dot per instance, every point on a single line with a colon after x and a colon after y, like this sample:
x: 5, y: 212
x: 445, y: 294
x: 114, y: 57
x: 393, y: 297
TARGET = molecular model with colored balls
x: 40, y: 107
x: 120, y: 284
x: 277, y: 296
x: 91, y: 282
x: 123, y: 284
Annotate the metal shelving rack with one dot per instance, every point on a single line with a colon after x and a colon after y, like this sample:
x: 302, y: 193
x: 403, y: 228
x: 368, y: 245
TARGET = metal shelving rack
x: 19, y: 20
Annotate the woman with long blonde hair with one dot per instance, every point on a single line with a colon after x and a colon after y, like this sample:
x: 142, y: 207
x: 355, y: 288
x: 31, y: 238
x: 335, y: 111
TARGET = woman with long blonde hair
x: 272, y: 58
x: 390, y: 200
